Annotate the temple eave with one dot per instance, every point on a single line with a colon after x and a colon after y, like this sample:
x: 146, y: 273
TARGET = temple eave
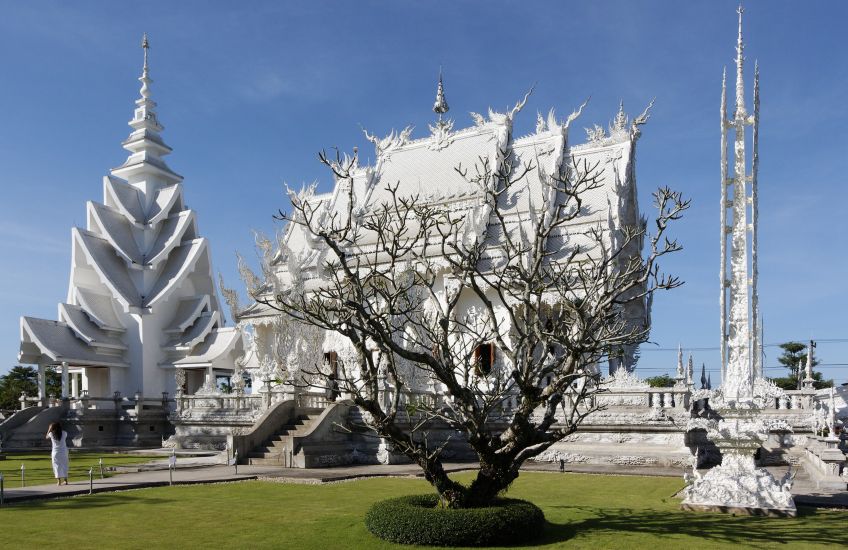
x: 57, y: 342
x: 146, y: 141
x: 147, y: 166
x: 217, y: 344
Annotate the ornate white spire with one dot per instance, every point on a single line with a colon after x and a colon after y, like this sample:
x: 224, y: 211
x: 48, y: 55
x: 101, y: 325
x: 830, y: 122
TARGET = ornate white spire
x: 441, y: 131
x: 740, y: 337
x: 145, y: 72
x: 808, y: 370
x: 679, y: 362
x: 144, y: 167
x: 690, y: 370
x: 740, y: 65
x: 440, y: 107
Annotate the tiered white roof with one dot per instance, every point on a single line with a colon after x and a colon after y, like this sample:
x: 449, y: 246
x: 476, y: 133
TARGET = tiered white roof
x: 141, y: 293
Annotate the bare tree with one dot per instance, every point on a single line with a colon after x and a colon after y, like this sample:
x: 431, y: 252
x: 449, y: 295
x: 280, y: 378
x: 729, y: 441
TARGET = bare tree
x: 504, y: 314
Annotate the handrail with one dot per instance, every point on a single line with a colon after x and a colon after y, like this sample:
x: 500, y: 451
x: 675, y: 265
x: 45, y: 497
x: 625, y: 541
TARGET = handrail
x: 264, y: 426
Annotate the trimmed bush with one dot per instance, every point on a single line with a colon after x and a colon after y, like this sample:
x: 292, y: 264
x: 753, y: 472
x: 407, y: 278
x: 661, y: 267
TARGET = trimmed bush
x: 416, y: 519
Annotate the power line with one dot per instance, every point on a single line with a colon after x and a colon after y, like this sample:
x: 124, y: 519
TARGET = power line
x: 716, y: 348
x: 716, y: 369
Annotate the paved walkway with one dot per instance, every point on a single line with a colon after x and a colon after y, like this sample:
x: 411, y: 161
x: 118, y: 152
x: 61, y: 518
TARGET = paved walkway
x: 198, y: 470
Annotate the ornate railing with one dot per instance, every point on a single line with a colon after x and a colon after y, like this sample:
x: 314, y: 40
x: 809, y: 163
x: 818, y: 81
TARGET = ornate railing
x: 314, y: 400
x: 651, y: 398
x: 221, y: 401
x: 677, y: 398
x: 116, y: 402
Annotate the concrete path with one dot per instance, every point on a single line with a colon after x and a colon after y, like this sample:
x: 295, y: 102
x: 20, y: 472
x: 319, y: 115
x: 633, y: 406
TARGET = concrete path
x: 193, y: 474
x: 198, y: 470
x: 212, y: 474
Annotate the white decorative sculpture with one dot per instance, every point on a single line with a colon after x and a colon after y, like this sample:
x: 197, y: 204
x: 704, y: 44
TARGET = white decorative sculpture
x: 624, y: 379
x: 738, y: 485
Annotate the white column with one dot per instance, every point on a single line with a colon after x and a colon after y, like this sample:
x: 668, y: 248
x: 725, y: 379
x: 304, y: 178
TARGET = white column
x: 65, y: 382
x: 42, y: 385
x: 75, y: 385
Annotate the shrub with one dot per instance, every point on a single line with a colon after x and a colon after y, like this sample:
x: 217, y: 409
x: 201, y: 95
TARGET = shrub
x: 416, y: 519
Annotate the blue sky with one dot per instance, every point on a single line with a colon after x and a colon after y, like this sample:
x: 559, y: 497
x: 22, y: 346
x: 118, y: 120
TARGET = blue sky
x: 248, y: 96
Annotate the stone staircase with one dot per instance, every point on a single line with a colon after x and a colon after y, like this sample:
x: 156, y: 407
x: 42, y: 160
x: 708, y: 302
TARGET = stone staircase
x: 278, y: 449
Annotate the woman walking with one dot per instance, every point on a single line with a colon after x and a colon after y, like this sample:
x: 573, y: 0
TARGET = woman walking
x: 59, y: 455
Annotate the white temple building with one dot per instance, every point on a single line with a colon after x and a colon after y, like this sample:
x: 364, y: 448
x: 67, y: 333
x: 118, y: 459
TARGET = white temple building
x: 141, y: 300
x: 426, y: 168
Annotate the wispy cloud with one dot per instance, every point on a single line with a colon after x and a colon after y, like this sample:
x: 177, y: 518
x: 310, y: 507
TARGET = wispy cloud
x: 267, y: 86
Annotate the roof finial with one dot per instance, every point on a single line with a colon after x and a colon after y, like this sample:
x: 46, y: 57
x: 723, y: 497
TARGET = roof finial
x: 441, y: 105
x: 740, y: 61
x: 146, y: 46
x: 145, y: 78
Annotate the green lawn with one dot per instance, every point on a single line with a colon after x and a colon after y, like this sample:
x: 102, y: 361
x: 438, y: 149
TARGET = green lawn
x: 583, y: 511
x: 39, y: 469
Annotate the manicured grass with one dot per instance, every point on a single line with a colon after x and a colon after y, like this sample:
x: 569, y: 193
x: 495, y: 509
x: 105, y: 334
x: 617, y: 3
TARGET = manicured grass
x: 583, y: 511
x: 39, y: 469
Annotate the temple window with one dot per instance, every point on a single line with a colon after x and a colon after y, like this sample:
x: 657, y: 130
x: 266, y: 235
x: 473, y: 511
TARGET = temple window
x: 484, y: 359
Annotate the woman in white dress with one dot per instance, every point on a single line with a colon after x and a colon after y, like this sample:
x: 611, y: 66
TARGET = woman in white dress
x: 59, y: 455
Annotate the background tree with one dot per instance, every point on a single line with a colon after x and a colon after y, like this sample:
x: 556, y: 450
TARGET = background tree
x: 661, y: 381
x: 508, y: 332
x: 795, y: 353
x: 25, y: 379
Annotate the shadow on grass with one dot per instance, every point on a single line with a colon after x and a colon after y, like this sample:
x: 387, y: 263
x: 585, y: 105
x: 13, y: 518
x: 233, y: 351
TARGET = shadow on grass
x: 83, y: 502
x: 811, y: 526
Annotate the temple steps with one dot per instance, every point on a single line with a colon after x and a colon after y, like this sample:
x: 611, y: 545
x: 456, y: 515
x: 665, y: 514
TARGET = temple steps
x: 277, y: 450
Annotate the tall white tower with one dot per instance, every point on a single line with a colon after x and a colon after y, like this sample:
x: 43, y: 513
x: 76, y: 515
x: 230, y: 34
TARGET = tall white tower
x: 141, y: 299
x: 739, y: 302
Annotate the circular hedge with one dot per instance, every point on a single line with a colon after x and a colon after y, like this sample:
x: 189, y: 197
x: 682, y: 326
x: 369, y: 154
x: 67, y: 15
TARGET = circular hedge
x: 416, y: 519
